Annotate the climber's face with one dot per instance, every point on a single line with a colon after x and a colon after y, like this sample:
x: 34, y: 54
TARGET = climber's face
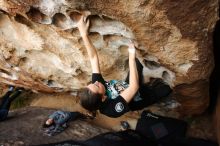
x: 97, y: 87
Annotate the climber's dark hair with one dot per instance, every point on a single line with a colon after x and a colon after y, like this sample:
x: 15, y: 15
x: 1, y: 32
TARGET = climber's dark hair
x: 89, y: 100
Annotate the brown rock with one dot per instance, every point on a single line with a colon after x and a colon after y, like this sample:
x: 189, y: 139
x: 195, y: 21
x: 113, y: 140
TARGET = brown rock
x: 194, y: 98
x: 41, y: 48
x: 217, y: 119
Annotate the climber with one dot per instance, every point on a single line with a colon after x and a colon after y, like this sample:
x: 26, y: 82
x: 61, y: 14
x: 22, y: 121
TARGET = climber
x: 6, y: 101
x: 114, y: 98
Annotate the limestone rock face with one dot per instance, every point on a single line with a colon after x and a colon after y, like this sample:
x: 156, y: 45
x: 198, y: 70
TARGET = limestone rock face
x: 41, y: 48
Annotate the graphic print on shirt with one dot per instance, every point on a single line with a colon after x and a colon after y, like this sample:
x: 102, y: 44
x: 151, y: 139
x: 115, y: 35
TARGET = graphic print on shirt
x: 115, y: 87
x: 119, y: 107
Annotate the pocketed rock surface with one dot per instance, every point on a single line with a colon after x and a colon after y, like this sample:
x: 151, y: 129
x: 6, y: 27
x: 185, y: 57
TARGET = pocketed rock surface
x: 41, y: 49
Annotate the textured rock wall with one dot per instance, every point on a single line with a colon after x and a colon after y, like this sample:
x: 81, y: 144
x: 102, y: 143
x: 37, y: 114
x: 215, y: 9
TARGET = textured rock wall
x: 41, y: 47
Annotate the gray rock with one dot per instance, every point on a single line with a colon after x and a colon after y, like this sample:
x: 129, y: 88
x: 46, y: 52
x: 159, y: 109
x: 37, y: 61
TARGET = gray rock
x: 24, y: 127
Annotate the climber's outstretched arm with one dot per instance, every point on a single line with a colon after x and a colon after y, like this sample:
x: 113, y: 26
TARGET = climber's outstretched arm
x: 129, y: 92
x: 83, y: 26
